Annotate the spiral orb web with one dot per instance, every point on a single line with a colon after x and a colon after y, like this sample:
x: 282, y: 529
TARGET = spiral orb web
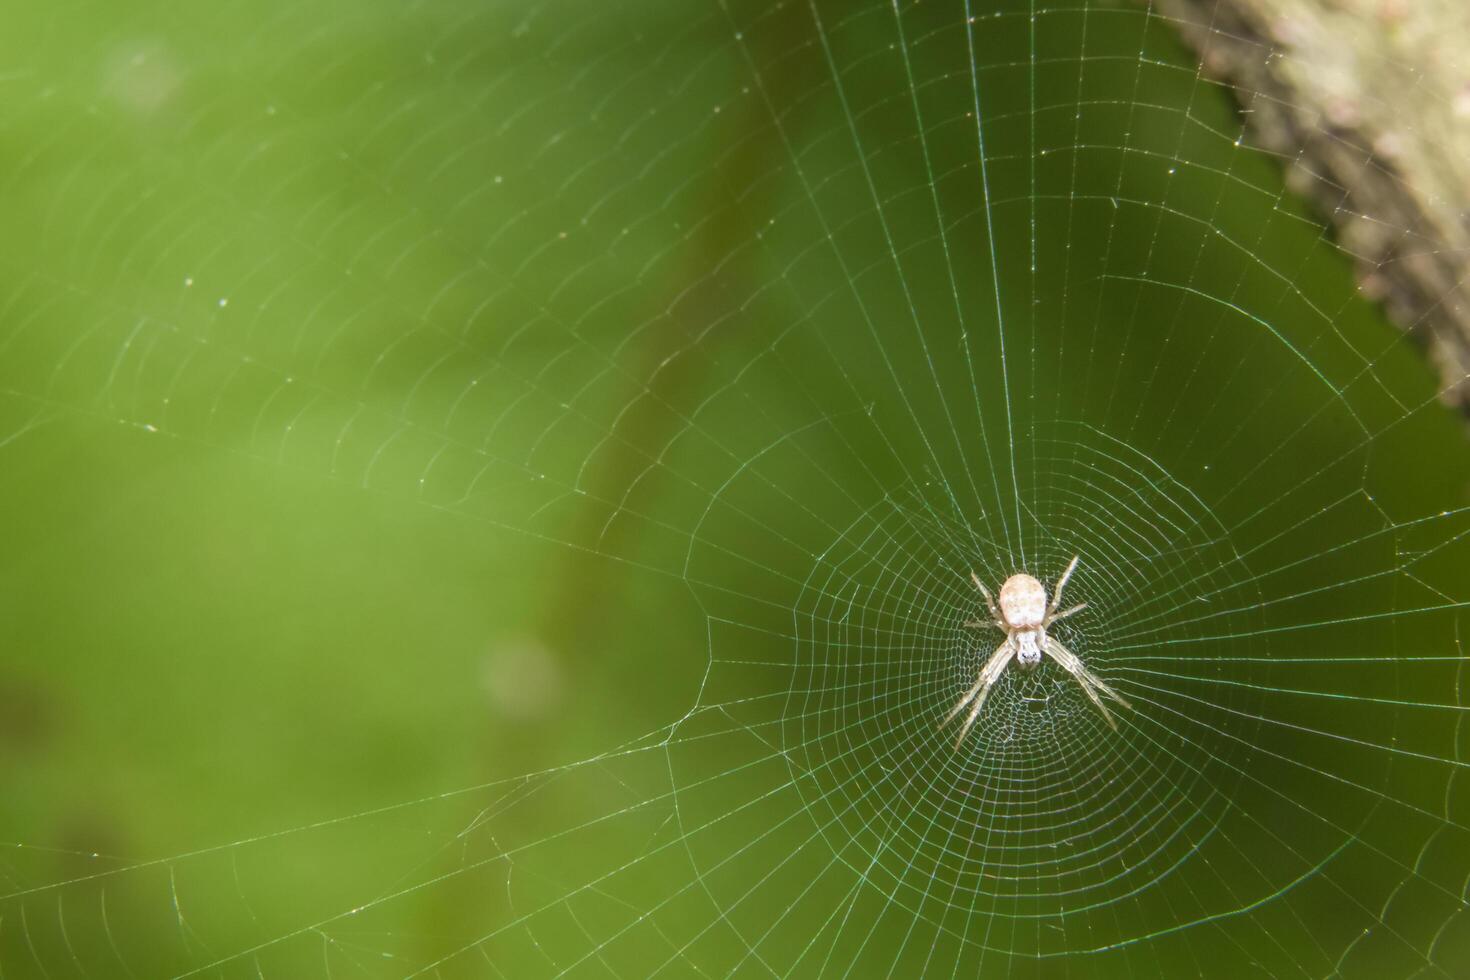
x: 491, y: 490
x: 1042, y: 821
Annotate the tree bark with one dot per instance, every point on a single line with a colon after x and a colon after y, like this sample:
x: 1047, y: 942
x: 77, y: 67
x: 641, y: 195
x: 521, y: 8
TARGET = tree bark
x: 1368, y: 101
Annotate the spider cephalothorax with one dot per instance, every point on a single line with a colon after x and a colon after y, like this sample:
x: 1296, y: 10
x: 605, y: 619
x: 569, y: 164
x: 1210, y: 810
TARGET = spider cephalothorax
x: 1024, y: 613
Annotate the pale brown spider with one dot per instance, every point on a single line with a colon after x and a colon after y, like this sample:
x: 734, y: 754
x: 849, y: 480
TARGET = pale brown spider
x: 1025, y: 614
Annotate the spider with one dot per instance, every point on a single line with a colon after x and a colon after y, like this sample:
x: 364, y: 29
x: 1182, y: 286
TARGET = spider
x: 1025, y: 614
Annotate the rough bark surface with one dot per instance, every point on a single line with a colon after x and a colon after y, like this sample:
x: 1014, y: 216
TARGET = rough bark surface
x: 1369, y: 101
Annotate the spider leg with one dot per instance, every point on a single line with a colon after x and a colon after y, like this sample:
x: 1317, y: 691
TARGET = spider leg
x: 994, y: 666
x: 1056, y: 596
x: 1054, y: 616
x: 994, y: 612
x: 1089, y: 682
x: 989, y: 674
x: 976, y: 624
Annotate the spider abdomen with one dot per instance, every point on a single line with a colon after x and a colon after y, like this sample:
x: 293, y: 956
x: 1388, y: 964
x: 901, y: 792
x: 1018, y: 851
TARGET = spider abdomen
x: 1023, y: 602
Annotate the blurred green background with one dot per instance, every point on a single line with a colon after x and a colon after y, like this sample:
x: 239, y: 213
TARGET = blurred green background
x: 489, y: 489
